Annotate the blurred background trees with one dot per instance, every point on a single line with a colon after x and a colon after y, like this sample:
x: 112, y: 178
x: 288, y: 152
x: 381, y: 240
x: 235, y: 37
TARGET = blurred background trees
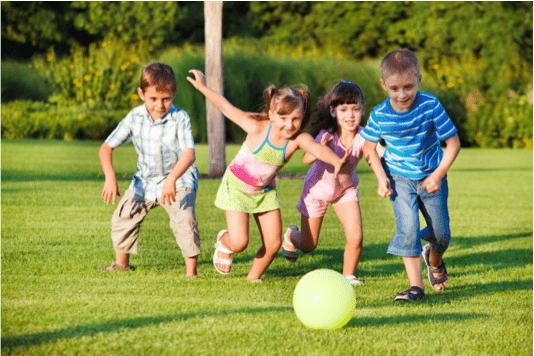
x: 476, y: 56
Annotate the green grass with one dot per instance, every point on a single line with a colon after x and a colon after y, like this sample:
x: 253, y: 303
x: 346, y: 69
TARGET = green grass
x: 56, y: 232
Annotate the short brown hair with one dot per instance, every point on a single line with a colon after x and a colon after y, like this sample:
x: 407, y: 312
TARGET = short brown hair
x: 400, y: 61
x: 160, y: 76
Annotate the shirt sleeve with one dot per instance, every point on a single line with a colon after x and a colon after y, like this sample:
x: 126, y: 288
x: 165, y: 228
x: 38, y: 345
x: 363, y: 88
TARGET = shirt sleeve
x: 122, y: 133
x: 371, y: 131
x: 185, y: 133
x: 442, y: 122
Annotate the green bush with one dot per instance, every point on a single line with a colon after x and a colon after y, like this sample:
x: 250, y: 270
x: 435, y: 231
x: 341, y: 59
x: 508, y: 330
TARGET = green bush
x: 106, y: 72
x: 247, y: 74
x: 28, y: 119
x: 20, y: 81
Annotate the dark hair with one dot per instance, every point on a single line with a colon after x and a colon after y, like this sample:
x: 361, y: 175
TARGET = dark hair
x: 284, y: 101
x: 399, y: 61
x: 345, y: 92
x: 160, y: 76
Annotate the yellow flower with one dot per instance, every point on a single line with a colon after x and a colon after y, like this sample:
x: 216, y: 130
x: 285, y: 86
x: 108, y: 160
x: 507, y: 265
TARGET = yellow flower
x: 133, y: 96
x: 450, y: 84
x: 460, y: 80
x: 97, y: 73
x: 436, y: 66
x: 88, y: 93
x: 71, y: 66
x: 112, y: 87
x: 125, y: 65
x: 75, y: 81
x: 104, y: 44
x: 78, y: 85
x: 87, y: 78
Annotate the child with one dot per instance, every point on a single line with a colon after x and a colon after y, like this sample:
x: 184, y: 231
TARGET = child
x: 248, y: 185
x: 415, y: 177
x: 338, y: 118
x: 166, y: 174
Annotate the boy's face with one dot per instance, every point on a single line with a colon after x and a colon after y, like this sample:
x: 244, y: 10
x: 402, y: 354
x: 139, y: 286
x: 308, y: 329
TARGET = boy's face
x: 348, y: 116
x: 402, y: 89
x: 157, y: 102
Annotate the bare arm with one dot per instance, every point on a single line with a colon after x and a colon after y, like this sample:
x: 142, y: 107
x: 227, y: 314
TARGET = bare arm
x: 168, y: 192
x: 308, y: 158
x: 236, y: 115
x: 432, y: 183
x: 322, y: 152
x: 111, y: 187
x: 373, y: 160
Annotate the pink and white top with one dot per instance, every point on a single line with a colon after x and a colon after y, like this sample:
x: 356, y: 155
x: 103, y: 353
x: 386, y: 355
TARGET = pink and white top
x: 320, y: 182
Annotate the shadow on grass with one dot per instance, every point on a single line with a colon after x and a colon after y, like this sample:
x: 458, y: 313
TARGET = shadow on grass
x: 411, y: 319
x: 9, y: 343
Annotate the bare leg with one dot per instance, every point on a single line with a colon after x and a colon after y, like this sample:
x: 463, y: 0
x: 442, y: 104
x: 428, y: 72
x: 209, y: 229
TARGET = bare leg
x: 414, y: 269
x: 236, y: 239
x: 191, y: 266
x: 350, y: 216
x: 435, y: 260
x: 123, y: 259
x: 270, y: 226
x: 307, y: 238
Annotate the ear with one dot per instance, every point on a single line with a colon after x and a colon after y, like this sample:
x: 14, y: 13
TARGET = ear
x: 419, y: 80
x: 332, y: 111
x: 383, y: 84
x: 271, y: 115
x: 141, y: 94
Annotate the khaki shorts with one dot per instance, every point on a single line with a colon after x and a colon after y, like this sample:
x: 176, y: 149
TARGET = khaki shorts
x: 131, y: 212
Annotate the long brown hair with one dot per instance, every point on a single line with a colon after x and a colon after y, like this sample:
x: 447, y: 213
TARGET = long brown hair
x: 345, y: 92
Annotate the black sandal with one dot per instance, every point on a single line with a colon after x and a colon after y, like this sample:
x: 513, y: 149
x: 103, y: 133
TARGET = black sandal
x: 441, y: 269
x: 412, y: 293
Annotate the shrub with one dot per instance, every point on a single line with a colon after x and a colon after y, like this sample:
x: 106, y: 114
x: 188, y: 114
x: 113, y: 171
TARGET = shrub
x: 27, y: 119
x: 20, y: 81
x: 106, y: 72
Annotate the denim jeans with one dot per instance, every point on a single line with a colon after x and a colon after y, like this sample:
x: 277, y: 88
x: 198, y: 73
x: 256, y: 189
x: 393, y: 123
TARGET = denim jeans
x: 407, y: 200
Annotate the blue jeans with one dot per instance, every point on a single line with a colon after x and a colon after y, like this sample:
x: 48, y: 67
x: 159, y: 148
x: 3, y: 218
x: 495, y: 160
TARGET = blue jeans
x: 407, y: 200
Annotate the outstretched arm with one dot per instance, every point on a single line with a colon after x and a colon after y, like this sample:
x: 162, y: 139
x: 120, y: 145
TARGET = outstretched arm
x: 234, y: 114
x: 373, y: 160
x: 432, y: 183
x: 111, y: 187
x: 308, y: 158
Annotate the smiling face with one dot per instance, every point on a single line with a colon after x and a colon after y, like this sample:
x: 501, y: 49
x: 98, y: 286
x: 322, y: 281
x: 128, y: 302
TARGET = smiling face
x: 348, y: 116
x: 402, y: 89
x: 286, y: 124
x: 158, y: 103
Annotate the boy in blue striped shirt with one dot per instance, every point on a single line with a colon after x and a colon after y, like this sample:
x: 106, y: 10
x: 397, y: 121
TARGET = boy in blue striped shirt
x: 166, y: 173
x: 414, y: 176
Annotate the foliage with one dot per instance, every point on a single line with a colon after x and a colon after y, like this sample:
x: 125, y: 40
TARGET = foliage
x: 106, y: 72
x: 27, y: 119
x: 20, y: 81
x: 128, y: 22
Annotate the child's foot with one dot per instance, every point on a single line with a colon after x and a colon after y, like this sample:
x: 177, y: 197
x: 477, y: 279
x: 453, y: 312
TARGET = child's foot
x: 117, y: 267
x: 437, y: 273
x: 353, y: 280
x: 289, y: 251
x: 222, y: 258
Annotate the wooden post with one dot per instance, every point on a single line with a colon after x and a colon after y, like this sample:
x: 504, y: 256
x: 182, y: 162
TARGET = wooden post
x: 214, y: 81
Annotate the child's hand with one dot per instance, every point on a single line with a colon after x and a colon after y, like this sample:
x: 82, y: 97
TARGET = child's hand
x: 431, y: 184
x: 168, y: 193
x: 200, y: 79
x: 343, y: 161
x: 325, y: 141
x: 384, y: 188
x: 110, y: 191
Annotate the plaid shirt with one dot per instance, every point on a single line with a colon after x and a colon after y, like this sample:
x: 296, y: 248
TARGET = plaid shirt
x: 159, y: 145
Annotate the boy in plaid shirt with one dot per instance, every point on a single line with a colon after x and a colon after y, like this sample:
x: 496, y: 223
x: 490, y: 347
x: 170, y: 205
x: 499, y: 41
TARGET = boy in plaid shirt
x: 166, y: 174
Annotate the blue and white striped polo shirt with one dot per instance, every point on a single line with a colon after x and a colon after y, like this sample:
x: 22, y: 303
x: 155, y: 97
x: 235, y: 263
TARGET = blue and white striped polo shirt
x: 159, y: 145
x: 412, y: 137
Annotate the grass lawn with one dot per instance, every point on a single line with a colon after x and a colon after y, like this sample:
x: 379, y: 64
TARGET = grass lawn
x: 56, y: 233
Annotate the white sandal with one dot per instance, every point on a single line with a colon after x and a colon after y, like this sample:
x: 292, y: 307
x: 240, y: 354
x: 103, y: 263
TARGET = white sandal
x: 220, y: 248
x: 353, y: 281
x: 290, y: 255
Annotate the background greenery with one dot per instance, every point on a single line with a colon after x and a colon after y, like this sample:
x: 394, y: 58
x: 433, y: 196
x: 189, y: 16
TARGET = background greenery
x: 475, y: 56
x: 56, y: 233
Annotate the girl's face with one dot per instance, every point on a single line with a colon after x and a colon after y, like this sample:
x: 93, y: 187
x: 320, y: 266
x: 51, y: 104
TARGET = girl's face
x: 348, y: 116
x: 286, y: 124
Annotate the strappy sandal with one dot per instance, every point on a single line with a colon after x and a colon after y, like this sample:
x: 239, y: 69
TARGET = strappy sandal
x: 353, y: 281
x: 220, y: 248
x: 290, y: 255
x: 412, y: 293
x: 441, y: 269
x: 117, y: 267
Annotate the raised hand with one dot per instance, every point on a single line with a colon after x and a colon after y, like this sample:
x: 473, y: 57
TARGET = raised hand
x: 199, y: 80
